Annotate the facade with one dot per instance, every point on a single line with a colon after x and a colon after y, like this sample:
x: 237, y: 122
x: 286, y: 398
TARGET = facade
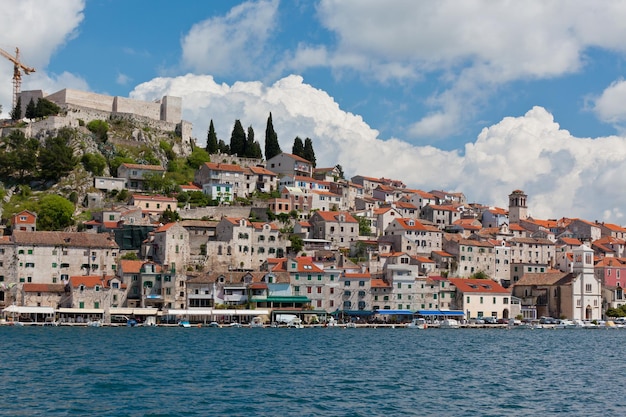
x: 289, y: 164
x: 135, y: 175
x: 154, y: 205
x: 25, y: 220
x: 412, y: 236
x: 337, y: 226
x: 481, y: 298
x: 441, y: 215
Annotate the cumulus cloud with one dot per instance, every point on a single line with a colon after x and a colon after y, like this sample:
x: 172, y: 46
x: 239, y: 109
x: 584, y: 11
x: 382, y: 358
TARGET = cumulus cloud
x: 474, y: 46
x: 564, y: 176
x: 232, y: 44
x: 27, y: 24
x: 609, y: 106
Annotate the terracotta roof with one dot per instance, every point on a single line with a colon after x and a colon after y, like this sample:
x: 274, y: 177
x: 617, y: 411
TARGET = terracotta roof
x: 296, y: 157
x: 361, y: 275
x: 89, y: 281
x: 57, y: 288
x: 468, y: 285
x: 333, y: 216
x: 224, y: 167
x: 146, y: 167
x: 379, y: 283
x: 142, y: 197
x: 131, y: 266
x: 64, y: 239
x: 262, y: 171
x: 545, y: 278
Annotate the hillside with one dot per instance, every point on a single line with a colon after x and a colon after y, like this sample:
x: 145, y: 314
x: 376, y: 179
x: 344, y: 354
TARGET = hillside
x: 64, y: 161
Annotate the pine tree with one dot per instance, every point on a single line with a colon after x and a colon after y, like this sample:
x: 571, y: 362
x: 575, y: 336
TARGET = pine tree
x: 272, y: 147
x: 211, y: 140
x: 249, y: 148
x: 238, y: 140
x: 309, y: 153
x: 298, y: 147
x: 222, y: 147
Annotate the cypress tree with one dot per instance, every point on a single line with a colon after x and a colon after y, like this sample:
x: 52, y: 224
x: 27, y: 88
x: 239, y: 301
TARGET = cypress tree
x: 298, y: 147
x: 272, y: 147
x: 30, y: 109
x: 16, y: 114
x: 309, y: 153
x: 211, y: 140
x: 238, y: 140
x: 249, y: 148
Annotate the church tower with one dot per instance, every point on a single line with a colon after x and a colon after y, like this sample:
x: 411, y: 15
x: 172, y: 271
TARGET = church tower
x: 517, y: 206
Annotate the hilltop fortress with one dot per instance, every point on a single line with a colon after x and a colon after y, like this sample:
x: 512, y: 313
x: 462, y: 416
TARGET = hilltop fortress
x: 164, y: 114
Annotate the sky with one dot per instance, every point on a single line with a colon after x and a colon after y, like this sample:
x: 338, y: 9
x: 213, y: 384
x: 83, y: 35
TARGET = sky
x: 473, y: 96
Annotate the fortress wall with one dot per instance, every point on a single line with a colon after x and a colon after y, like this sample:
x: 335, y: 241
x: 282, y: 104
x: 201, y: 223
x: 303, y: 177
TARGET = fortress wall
x: 140, y: 108
x: 83, y: 99
x: 171, y: 109
x: 214, y: 212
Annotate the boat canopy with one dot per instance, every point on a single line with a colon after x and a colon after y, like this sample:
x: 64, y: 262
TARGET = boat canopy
x: 217, y: 312
x: 28, y: 310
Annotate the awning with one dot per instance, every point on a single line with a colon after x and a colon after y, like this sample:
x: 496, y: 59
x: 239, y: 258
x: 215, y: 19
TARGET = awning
x: 217, y: 312
x: 395, y: 312
x: 357, y: 312
x: 440, y: 313
x: 28, y: 310
x: 80, y: 310
x: 133, y: 311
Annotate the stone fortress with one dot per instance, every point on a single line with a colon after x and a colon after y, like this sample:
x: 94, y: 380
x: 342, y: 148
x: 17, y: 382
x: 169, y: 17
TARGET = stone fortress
x: 164, y: 114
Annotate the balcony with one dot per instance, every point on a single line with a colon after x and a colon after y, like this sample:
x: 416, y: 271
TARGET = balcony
x: 236, y: 298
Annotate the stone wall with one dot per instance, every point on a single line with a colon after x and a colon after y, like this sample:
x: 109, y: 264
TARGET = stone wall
x: 214, y: 212
x: 140, y: 108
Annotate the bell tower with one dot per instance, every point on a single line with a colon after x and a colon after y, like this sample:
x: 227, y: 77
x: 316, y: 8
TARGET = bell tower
x: 517, y: 206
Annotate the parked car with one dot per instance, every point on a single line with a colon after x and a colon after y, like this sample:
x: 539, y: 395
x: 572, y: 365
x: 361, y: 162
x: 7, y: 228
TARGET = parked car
x: 503, y: 321
x: 478, y: 320
x: 548, y: 320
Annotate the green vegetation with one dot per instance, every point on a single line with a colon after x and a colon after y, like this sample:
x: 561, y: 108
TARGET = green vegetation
x: 94, y: 163
x: 54, y: 213
x: 99, y: 128
x: 211, y: 140
x: 364, y: 226
x: 272, y: 147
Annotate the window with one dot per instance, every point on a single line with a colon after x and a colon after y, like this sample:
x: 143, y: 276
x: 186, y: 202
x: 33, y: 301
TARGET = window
x: 81, y: 304
x: 481, y: 300
x: 587, y: 287
x: 346, y: 283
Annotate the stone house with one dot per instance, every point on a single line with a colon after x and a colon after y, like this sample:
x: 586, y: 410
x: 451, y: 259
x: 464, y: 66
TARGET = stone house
x: 135, y: 175
x: 233, y: 180
x: 356, y: 295
x: 289, y: 164
x: 42, y: 295
x: 441, y: 215
x: 25, y: 220
x: 482, y: 297
x: 412, y: 236
x: 337, y: 226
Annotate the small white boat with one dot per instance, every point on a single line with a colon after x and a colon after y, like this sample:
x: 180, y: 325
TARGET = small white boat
x: 296, y: 324
x: 257, y: 322
x: 234, y: 324
x: 184, y: 323
x: 94, y: 323
x: 351, y: 325
x: 449, y: 324
x: 214, y: 324
x: 419, y: 323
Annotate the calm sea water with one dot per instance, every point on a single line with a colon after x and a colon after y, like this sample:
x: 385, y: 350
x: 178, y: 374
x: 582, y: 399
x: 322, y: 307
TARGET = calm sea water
x: 310, y: 372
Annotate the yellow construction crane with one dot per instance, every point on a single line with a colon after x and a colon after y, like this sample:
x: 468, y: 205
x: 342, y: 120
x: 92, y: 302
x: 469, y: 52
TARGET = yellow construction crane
x: 18, y: 67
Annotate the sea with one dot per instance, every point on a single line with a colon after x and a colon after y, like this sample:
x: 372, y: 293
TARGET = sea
x: 174, y: 371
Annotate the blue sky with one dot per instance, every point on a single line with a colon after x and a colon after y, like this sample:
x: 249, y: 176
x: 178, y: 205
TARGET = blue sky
x: 475, y: 96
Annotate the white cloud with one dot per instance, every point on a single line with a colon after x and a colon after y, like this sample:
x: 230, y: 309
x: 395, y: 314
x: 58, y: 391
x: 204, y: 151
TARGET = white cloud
x: 472, y: 46
x: 27, y: 24
x: 563, y: 175
x: 232, y: 44
x: 609, y: 106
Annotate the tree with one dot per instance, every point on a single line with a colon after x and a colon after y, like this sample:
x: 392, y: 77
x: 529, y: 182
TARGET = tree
x: 16, y: 114
x: 364, y: 226
x: 99, y: 128
x: 296, y: 243
x: 56, y: 158
x: 298, y: 147
x: 223, y: 147
x: 253, y: 148
x: 309, y: 153
x: 54, y: 213
x: 238, y: 140
x: 45, y: 108
x: 30, y: 109
x: 340, y: 169
x: 169, y: 216
x: 211, y: 140
x: 197, y: 158
x: 94, y: 163
x: 272, y: 147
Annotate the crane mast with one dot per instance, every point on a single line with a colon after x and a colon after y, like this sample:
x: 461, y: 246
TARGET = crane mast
x: 18, y: 67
